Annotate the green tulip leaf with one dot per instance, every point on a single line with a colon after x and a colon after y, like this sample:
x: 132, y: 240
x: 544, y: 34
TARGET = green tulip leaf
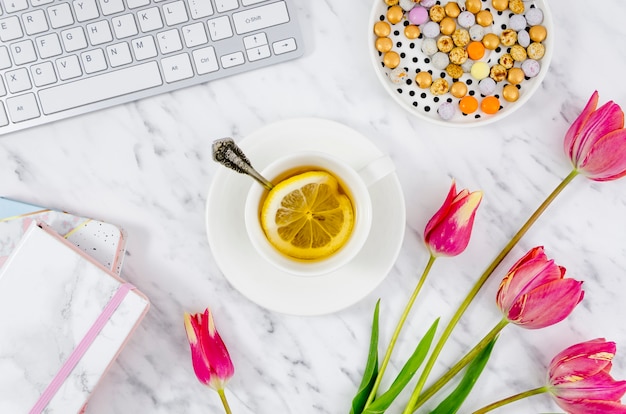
x: 406, y: 373
x: 371, y: 368
x: 453, y: 402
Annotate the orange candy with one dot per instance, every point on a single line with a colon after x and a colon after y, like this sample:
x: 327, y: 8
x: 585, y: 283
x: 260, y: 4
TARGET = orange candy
x: 468, y: 104
x: 476, y: 50
x: 490, y: 105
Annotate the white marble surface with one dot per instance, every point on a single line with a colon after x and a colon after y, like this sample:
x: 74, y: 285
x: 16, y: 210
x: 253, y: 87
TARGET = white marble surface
x: 147, y: 167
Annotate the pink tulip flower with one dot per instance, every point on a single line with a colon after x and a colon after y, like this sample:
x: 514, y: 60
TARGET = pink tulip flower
x: 534, y: 293
x: 211, y: 361
x: 596, y: 141
x: 580, y: 381
x: 448, y: 231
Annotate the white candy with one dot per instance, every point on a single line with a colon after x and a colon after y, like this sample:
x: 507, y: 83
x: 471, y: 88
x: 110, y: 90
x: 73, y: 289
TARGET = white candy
x: 429, y: 47
x: 440, y: 60
x: 534, y: 16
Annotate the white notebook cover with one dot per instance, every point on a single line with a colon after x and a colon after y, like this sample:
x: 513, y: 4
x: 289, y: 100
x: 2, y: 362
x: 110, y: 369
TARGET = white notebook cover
x: 51, y: 293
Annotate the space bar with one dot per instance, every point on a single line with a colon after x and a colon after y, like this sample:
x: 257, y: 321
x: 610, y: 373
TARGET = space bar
x: 99, y: 88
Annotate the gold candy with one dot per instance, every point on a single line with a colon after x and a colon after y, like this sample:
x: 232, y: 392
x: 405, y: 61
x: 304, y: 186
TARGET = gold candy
x: 454, y: 71
x: 498, y: 73
x: 395, y: 14
x: 508, y: 37
x: 500, y: 5
x: 510, y: 93
x: 447, y: 25
x: 484, y: 18
x: 473, y: 6
x: 423, y: 79
x: 382, y: 29
x: 458, y: 89
x: 518, y: 53
x: 452, y: 9
x: 538, y: 33
x: 445, y: 44
x: 461, y: 37
x: 506, y: 60
x: 516, y: 6
x: 515, y: 76
x: 458, y: 55
x: 412, y: 32
x: 536, y: 50
x: 439, y: 87
x: 436, y: 13
x: 384, y: 44
x: 491, y: 41
x: 391, y: 59
x: 391, y: 2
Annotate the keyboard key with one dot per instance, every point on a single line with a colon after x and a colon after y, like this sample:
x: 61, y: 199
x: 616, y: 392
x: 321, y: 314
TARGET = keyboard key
x: 232, y: 59
x: 10, y: 29
x: 150, y: 19
x: 23, y: 52
x: 60, y: 15
x: 119, y: 54
x: 255, y: 40
x: 4, y: 120
x: 194, y: 35
x: 220, y: 28
x: 93, y: 61
x: 133, y: 4
x: 200, y: 8
x: 260, y: 17
x: 48, y: 45
x: 177, y: 67
x: 205, y: 60
x: 251, y: 2
x: 43, y: 74
x: 226, y: 5
x: 258, y: 53
x: 12, y: 6
x: 284, y: 46
x: 124, y: 26
x: 36, y: 3
x: 109, y: 7
x: 5, y: 60
x: 175, y: 13
x: 144, y: 48
x: 74, y: 39
x: 85, y: 10
x: 100, y: 87
x: 18, y: 80
x: 3, y: 90
x: 99, y: 32
x: 23, y: 107
x: 68, y: 67
x: 169, y: 41
x: 35, y: 22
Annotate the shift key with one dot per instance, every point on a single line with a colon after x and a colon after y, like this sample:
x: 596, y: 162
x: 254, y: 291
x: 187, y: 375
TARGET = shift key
x: 261, y: 17
x: 100, y: 88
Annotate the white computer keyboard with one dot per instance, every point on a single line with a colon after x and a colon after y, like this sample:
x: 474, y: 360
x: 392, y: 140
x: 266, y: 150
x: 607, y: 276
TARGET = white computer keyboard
x: 60, y: 58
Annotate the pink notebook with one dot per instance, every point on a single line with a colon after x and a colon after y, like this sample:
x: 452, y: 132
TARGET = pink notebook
x: 64, y: 317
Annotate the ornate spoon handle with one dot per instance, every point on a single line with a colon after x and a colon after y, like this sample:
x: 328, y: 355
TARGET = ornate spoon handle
x: 227, y: 153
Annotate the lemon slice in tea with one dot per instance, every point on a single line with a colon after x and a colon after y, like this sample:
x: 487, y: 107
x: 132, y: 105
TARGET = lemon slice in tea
x: 307, y: 216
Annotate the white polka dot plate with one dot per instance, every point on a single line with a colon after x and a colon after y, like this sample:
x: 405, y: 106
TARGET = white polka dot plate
x: 516, y: 66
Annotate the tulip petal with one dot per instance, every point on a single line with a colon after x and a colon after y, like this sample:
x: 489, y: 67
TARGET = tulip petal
x: 606, y: 119
x: 526, y: 277
x: 575, y: 129
x: 606, y: 159
x: 600, y: 386
x: 216, y: 352
x: 591, y: 407
x: 194, y: 334
x: 441, y: 213
x: 583, y: 359
x: 546, y: 305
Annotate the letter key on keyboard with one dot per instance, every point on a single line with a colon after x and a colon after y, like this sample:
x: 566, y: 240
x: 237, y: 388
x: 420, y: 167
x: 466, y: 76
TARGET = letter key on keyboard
x: 62, y: 58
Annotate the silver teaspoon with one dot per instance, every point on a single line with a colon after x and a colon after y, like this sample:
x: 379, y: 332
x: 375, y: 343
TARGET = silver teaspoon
x: 227, y: 153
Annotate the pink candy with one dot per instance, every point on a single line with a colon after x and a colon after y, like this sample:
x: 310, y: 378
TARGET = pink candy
x: 418, y: 15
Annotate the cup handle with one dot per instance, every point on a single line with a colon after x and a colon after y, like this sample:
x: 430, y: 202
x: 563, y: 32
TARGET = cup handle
x: 377, y: 170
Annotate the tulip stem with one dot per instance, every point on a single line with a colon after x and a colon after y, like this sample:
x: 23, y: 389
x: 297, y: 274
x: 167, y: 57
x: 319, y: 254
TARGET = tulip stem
x: 511, y: 399
x: 444, y: 379
x: 479, y: 284
x: 396, y: 333
x: 224, y: 401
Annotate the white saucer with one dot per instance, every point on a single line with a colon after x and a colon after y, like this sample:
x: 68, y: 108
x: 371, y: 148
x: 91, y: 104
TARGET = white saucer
x: 270, y: 287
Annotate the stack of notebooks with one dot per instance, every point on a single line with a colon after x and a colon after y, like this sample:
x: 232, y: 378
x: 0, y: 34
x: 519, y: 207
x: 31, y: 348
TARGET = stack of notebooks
x: 65, y: 312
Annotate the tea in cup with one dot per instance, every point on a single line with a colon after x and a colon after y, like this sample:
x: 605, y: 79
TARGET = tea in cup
x: 318, y: 215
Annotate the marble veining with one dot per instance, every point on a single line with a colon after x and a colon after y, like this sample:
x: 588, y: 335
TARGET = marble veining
x: 146, y: 167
